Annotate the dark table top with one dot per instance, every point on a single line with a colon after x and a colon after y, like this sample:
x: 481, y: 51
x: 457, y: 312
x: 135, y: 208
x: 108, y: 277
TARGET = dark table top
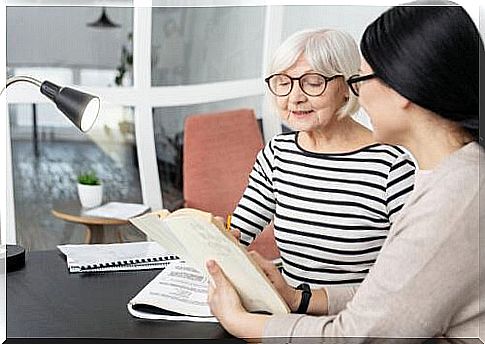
x: 45, y: 300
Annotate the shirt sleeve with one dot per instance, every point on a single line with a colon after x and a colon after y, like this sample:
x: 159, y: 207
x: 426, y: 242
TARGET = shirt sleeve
x: 412, y: 290
x: 338, y: 297
x: 257, y: 205
x: 400, y: 183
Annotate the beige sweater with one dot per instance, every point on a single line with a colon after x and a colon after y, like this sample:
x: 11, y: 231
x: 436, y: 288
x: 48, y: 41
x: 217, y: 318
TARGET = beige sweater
x: 425, y: 281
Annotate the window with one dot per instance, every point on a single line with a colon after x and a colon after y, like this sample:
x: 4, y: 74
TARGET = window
x: 56, y: 44
x: 47, y: 151
x: 46, y: 163
x: 206, y: 44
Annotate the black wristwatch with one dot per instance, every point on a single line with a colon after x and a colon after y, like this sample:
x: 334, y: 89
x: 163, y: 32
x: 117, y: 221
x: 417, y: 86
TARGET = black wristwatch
x: 305, y: 298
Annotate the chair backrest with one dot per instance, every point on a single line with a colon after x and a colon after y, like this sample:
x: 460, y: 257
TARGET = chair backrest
x: 219, y: 152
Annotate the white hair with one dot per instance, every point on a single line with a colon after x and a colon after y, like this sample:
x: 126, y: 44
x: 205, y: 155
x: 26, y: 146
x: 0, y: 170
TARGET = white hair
x: 327, y: 51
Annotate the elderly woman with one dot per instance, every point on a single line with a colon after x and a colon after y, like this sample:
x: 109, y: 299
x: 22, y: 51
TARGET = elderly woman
x: 419, y: 84
x: 332, y: 191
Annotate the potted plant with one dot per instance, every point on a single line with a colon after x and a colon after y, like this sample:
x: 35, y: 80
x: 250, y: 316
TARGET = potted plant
x: 90, y: 189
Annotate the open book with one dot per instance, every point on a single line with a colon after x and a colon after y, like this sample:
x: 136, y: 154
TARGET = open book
x: 196, y: 237
x: 179, y: 292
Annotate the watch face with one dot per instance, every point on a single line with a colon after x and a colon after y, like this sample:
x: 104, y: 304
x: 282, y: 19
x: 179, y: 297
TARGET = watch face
x: 304, y: 287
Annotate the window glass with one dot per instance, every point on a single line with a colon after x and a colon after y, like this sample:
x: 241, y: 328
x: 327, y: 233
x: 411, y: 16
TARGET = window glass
x: 349, y: 18
x: 168, y: 126
x: 206, y: 44
x: 47, y: 155
x: 56, y: 43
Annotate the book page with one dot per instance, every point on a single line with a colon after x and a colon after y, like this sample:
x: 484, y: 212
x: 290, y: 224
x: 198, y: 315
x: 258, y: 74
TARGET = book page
x: 156, y: 229
x: 201, y: 241
x: 179, y: 289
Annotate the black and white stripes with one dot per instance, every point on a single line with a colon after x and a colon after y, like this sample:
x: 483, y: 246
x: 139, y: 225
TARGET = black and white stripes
x: 332, y: 212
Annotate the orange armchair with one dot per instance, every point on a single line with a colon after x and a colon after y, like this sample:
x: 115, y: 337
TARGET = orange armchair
x: 219, y: 152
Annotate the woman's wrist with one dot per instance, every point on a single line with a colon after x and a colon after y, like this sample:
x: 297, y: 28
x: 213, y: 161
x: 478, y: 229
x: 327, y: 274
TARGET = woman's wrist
x: 248, y: 325
x: 294, y: 298
x: 232, y: 322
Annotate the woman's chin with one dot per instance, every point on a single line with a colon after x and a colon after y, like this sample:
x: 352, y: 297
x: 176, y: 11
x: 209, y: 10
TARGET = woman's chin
x: 301, y: 124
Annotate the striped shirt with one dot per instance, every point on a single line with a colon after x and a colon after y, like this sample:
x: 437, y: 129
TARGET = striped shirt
x: 332, y: 212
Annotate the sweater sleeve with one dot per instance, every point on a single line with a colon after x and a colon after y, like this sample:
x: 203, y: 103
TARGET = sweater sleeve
x: 338, y: 297
x: 400, y: 183
x: 257, y: 205
x: 412, y: 290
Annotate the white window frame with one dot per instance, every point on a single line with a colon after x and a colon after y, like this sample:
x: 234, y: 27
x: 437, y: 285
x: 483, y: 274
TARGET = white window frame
x: 144, y: 98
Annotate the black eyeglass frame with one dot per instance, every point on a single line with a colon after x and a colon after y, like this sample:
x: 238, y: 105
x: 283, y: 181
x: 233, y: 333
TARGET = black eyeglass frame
x: 326, y: 78
x: 358, y: 78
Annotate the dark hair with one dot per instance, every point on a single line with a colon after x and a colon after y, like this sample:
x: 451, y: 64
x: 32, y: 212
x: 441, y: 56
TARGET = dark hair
x: 430, y: 55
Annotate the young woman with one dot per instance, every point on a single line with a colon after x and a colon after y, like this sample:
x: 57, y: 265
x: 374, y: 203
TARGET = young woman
x: 332, y: 191
x: 419, y: 84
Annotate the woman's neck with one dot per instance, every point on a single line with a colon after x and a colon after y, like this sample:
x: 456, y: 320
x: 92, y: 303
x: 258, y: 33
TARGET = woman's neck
x: 433, y: 140
x: 343, y: 135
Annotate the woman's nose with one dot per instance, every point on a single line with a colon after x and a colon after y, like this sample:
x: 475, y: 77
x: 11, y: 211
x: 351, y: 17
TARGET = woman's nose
x: 296, y: 95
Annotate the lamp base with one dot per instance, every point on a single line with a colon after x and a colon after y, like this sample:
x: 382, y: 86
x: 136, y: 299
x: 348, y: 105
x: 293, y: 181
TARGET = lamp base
x: 15, y: 257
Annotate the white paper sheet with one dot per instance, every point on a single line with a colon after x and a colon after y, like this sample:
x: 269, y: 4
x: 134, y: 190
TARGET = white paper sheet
x: 179, y: 288
x: 117, y: 210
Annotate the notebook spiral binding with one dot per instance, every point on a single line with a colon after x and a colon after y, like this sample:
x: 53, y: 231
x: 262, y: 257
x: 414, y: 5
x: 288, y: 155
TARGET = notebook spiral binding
x: 125, y: 265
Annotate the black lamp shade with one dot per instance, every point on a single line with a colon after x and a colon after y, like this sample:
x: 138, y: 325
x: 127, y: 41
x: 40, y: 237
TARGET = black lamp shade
x: 81, y: 108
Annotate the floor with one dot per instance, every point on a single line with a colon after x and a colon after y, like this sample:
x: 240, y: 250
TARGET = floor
x: 40, y: 181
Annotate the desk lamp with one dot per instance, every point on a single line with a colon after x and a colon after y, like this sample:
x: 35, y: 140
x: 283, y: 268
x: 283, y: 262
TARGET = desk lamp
x: 79, y: 107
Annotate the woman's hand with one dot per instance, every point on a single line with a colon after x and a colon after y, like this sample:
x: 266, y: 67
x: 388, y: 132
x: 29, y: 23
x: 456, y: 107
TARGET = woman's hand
x: 226, y: 305
x: 236, y: 233
x: 291, y: 296
x: 223, y: 299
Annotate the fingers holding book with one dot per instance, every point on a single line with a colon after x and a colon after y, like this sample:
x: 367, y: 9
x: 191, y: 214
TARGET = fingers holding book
x: 223, y: 299
x: 227, y: 307
x: 290, y: 295
x: 236, y: 233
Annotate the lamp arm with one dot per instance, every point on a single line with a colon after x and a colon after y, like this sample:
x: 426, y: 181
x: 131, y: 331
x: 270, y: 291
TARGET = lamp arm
x: 13, y: 79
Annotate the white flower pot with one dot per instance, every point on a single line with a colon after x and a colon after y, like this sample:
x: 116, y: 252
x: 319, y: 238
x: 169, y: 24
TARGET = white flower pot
x: 90, y: 195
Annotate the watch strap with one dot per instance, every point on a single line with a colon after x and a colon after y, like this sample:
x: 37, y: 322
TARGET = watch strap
x: 305, y: 298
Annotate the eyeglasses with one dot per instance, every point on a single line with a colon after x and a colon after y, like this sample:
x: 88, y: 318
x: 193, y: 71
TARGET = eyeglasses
x: 312, y: 84
x: 355, y: 81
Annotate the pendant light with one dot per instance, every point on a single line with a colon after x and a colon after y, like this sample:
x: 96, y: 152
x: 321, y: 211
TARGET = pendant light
x: 103, y: 22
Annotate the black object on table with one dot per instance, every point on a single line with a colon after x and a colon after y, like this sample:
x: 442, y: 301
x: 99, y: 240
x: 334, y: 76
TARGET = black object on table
x: 45, y: 300
x: 15, y: 257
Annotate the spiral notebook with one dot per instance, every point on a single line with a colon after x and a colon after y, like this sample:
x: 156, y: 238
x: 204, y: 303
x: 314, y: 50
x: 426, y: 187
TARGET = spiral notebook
x: 116, y: 257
